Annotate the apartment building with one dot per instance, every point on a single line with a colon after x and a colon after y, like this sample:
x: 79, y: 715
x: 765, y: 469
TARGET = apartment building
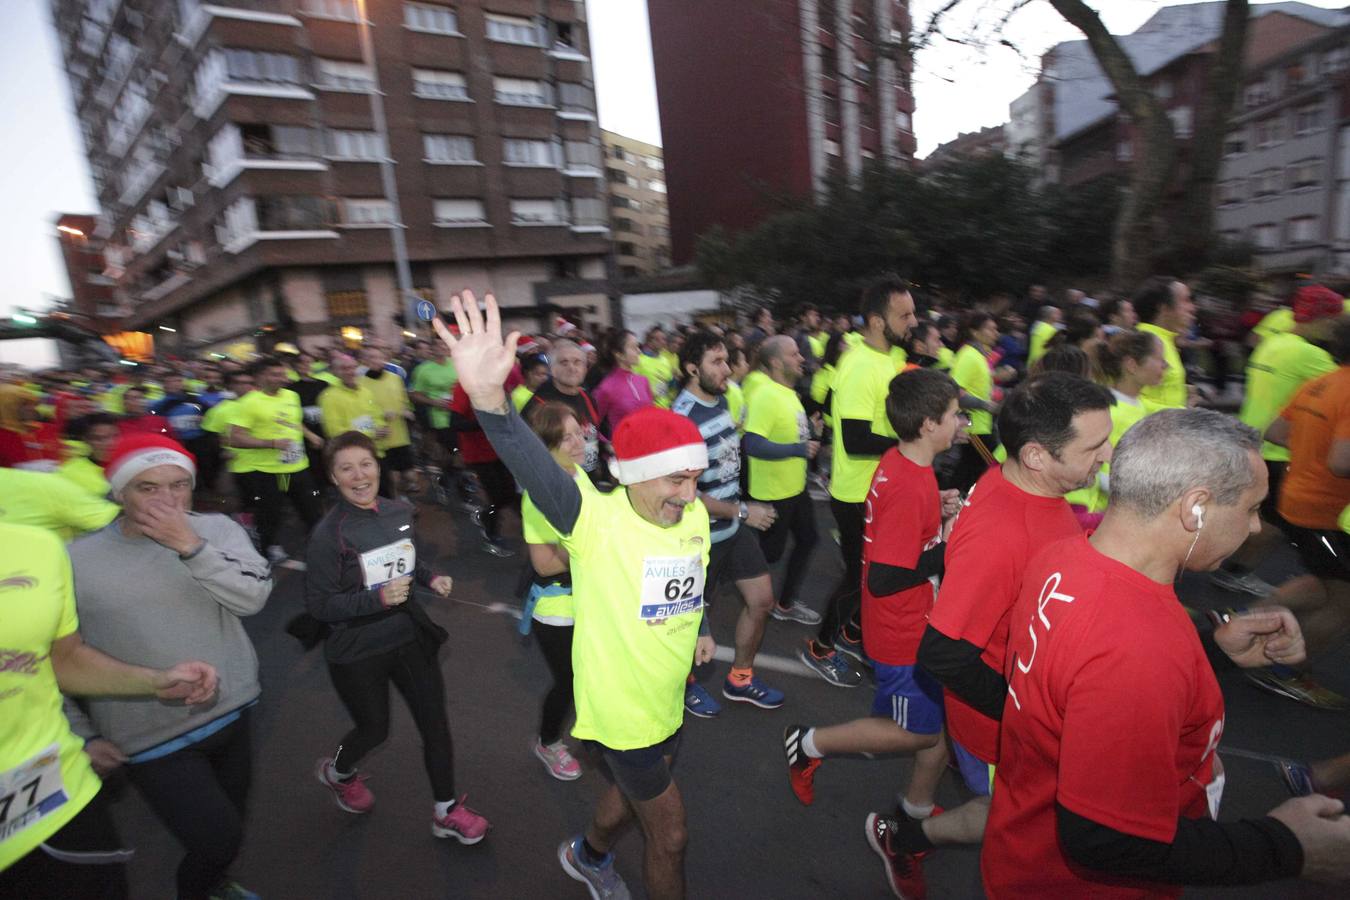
x: 238, y: 160
x: 638, y: 217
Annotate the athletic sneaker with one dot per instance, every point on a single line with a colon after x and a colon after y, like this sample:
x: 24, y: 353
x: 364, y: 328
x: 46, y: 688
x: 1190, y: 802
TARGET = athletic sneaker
x: 833, y: 667
x: 1297, y: 687
x: 801, y: 768
x: 756, y: 692
x: 904, y: 873
x: 1241, y: 584
x: 276, y: 554
x: 558, y: 760
x: 900, y: 811
x: 797, y: 612
x: 1297, y: 777
x: 498, y: 548
x: 232, y: 890
x: 601, y: 880
x: 461, y: 823
x: 846, y: 645
x: 699, y: 702
x: 351, y: 795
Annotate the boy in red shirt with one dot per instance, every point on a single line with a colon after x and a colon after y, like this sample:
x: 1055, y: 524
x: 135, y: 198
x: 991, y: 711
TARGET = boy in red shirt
x: 906, y: 522
x: 1056, y: 428
x: 499, y: 488
x: 1108, y: 783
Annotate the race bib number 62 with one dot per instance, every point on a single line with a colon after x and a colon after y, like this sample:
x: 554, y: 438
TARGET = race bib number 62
x: 671, y: 586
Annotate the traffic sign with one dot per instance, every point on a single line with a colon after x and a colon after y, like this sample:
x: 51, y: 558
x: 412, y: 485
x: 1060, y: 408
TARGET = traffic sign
x: 426, y: 310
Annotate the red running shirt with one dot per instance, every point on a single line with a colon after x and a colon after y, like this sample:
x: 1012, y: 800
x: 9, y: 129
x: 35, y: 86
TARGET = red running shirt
x: 902, y: 518
x: 1001, y: 528
x: 1113, y: 712
x: 474, y: 446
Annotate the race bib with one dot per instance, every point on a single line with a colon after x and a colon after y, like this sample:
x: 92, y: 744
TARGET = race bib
x: 364, y: 424
x: 1214, y: 790
x: 311, y: 414
x: 293, y: 452
x: 803, y: 428
x: 671, y: 586
x: 388, y: 562
x: 31, y: 791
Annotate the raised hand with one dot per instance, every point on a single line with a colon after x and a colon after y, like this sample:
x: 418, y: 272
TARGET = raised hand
x: 482, y: 358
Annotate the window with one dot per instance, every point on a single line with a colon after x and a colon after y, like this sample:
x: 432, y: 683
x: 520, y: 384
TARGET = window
x: 1266, y: 182
x: 293, y: 213
x: 459, y: 212
x: 433, y: 19
x: 589, y: 212
x: 902, y: 121
x: 832, y: 147
x: 1337, y: 60
x: 521, y: 92
x: 345, y: 10
x: 1124, y: 150
x: 655, y: 163
x: 582, y: 155
x: 513, y: 30
x: 618, y: 152
x: 1255, y: 94
x: 576, y: 99
x: 448, y: 148
x: 1266, y: 237
x: 537, y: 212
x: 618, y: 176
x: 618, y: 201
x: 661, y: 231
x: 1303, y: 230
x: 1231, y: 192
x: 1236, y: 144
x: 337, y: 75
x: 657, y: 186
x: 438, y: 85
x: 1305, y: 173
x: 1307, y: 119
x: 624, y: 248
x: 277, y: 142
x: 520, y: 152
x: 622, y: 224
x: 1181, y: 121
x: 367, y: 211
x: 1270, y: 131
x: 257, y: 65
x: 347, y: 304
x: 355, y: 145
x: 1163, y: 89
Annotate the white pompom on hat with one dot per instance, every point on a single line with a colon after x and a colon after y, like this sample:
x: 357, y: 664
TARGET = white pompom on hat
x: 654, y: 442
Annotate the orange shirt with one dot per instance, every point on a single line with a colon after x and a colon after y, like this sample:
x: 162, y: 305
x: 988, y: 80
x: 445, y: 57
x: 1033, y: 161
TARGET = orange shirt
x: 1318, y: 416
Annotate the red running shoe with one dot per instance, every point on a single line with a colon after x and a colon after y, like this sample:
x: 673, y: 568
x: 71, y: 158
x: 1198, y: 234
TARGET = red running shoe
x: 801, y: 768
x: 904, y: 872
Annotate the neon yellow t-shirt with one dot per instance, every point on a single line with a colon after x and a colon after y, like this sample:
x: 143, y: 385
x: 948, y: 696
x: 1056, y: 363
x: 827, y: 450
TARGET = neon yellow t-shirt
x: 1041, y: 333
x: 85, y: 473
x: 777, y: 415
x: 659, y: 372
x: 350, y: 409
x: 1277, y: 321
x: 520, y: 395
x: 46, y: 500
x: 1171, y: 391
x: 860, y: 386
x: 754, y: 380
x: 437, y: 381
x: 39, y: 602
x: 641, y: 590
x: 391, y: 396
x: 559, y: 609
x: 946, y: 356
x: 217, y: 418
x: 270, y: 417
x: 817, y: 343
x: 853, y: 338
x: 822, y: 382
x: 736, y: 404
x: 970, y: 370
x: 1278, y: 367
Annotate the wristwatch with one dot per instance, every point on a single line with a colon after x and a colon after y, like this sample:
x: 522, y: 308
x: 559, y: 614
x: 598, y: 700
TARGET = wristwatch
x: 743, y: 512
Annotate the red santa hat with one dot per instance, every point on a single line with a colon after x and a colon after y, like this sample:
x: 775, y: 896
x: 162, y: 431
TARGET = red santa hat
x: 135, y: 453
x: 655, y: 442
x: 562, y: 326
x: 1314, y: 301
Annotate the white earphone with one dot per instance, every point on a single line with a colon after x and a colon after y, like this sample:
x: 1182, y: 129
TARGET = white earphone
x: 1199, y: 512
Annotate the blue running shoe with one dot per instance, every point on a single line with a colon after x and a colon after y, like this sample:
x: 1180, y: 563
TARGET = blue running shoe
x: 601, y: 880
x: 699, y: 702
x: 756, y: 692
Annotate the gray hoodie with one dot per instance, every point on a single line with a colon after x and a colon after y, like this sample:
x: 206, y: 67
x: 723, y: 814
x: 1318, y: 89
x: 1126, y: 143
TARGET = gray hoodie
x: 140, y: 602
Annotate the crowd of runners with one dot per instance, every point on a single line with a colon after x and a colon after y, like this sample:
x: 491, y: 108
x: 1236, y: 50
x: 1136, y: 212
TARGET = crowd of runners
x: 1011, y: 508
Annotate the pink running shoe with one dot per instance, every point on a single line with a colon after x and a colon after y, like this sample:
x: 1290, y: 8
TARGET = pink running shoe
x: 558, y: 760
x: 461, y: 823
x: 352, y: 795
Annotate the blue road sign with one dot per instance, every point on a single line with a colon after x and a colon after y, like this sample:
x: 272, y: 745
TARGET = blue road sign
x: 426, y: 310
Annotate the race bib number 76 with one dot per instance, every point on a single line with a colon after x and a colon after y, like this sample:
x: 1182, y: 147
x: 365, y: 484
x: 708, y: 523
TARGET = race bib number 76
x: 671, y: 586
x: 388, y: 562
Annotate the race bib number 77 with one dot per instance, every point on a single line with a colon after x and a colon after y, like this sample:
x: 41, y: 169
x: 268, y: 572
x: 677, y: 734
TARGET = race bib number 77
x: 671, y: 586
x: 30, y: 791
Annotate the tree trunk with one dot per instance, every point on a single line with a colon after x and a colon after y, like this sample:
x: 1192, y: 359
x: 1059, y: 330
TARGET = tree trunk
x: 1155, y: 156
x: 1195, y: 219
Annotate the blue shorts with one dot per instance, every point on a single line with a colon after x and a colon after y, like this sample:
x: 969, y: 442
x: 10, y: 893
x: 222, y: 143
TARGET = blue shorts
x: 909, y: 696
x: 975, y: 772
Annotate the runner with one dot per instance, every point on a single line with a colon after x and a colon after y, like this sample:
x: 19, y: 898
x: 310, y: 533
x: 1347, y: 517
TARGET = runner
x: 1164, y: 307
x: 51, y: 502
x: 363, y: 578
x: 58, y: 840
x: 735, y: 554
x: 533, y: 372
x: 861, y: 434
x: 350, y: 405
x: 499, y: 489
x: 91, y: 438
x: 391, y: 396
x: 568, y: 371
x: 158, y: 583
x: 184, y: 411
x: 779, y: 443
x: 1056, y: 428
x: 621, y: 391
x: 267, y: 435
x: 907, y: 523
x: 641, y: 549
x: 973, y: 370
x: 1108, y: 783
x: 549, y: 608
x: 433, y: 384
x: 1045, y: 327
x: 658, y: 366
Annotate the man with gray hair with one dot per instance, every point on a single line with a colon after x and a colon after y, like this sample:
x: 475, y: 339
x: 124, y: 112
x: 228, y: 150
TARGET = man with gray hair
x: 1108, y: 783
x: 567, y: 370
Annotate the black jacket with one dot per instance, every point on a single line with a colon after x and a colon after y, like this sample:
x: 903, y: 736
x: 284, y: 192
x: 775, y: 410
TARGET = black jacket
x: 335, y: 592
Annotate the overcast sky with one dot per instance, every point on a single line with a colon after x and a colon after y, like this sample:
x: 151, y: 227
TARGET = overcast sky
x: 958, y: 88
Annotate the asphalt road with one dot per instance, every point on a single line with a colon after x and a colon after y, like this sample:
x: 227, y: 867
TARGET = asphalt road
x: 749, y: 838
